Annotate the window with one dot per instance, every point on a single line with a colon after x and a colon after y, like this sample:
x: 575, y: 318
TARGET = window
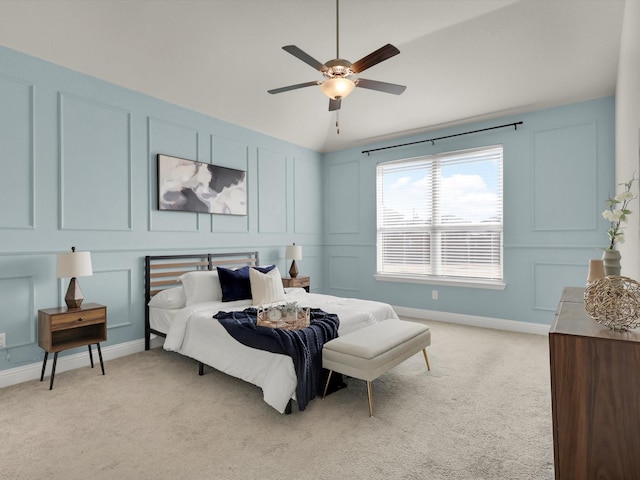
x: 439, y: 217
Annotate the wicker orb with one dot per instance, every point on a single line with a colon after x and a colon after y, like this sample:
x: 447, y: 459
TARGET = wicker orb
x: 614, y: 301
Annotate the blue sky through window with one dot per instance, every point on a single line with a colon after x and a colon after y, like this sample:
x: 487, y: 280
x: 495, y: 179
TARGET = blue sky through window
x: 469, y: 192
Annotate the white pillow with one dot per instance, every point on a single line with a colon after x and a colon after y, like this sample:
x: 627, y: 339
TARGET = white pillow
x: 201, y: 286
x: 266, y: 287
x: 169, y: 298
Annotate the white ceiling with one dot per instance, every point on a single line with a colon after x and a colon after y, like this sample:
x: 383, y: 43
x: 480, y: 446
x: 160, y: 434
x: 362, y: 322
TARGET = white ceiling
x: 461, y: 60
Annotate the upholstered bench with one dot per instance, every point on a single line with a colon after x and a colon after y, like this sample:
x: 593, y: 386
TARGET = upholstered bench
x: 371, y: 351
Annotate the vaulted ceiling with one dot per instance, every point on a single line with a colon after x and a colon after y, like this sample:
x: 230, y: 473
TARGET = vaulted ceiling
x: 461, y: 60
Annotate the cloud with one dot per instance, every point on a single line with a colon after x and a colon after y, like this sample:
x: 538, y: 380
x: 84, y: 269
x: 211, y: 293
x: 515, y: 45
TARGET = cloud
x: 401, y: 183
x: 464, y: 196
x: 468, y: 197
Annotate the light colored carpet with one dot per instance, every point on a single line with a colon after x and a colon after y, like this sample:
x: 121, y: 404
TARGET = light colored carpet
x: 483, y: 412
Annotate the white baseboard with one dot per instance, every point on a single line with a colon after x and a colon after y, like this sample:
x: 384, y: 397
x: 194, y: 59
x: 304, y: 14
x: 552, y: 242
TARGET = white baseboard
x: 32, y: 371
x: 474, y: 320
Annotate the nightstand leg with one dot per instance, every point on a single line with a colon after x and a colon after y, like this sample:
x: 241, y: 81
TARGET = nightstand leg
x: 100, y: 355
x: 53, y: 370
x: 90, y: 355
x: 44, y: 365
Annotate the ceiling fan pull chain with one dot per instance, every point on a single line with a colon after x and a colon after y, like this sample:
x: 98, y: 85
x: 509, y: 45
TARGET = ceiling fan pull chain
x: 337, y: 122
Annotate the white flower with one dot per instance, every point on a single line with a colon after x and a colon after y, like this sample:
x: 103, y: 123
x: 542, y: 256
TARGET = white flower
x: 612, y: 215
x: 618, y: 216
x: 621, y: 197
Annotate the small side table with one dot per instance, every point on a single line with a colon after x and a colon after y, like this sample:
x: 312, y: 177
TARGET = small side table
x: 63, y: 328
x: 303, y: 282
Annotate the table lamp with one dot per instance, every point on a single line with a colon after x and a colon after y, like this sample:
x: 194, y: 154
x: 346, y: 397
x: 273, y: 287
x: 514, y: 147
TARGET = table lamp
x: 293, y: 252
x: 72, y: 265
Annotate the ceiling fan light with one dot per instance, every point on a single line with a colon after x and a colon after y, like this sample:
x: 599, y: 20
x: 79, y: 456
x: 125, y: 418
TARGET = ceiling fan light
x: 337, y: 87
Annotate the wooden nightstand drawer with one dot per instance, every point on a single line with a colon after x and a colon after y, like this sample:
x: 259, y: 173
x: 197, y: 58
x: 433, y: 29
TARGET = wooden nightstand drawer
x: 302, y: 282
x: 78, y: 319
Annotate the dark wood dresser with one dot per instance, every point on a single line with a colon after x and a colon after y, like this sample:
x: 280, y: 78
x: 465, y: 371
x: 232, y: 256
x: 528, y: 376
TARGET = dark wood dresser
x: 595, y: 395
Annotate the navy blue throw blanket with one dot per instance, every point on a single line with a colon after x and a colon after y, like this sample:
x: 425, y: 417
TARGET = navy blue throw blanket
x: 304, y: 346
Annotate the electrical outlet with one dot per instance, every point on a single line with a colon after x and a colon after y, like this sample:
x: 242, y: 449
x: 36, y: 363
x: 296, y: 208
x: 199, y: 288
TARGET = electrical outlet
x: 3, y: 340
x: 434, y: 294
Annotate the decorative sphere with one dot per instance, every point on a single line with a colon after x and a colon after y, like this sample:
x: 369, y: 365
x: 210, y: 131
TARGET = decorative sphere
x: 614, y: 301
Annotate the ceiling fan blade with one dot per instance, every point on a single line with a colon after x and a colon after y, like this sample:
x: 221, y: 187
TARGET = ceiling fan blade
x: 294, y: 87
x: 334, y: 104
x: 305, y: 57
x: 383, y: 53
x: 385, y: 87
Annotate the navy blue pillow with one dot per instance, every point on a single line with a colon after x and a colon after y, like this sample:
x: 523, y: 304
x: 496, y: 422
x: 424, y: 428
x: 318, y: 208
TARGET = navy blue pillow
x: 235, y: 284
x: 266, y: 269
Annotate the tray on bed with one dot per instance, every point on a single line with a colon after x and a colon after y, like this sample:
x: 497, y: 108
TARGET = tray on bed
x: 286, y: 321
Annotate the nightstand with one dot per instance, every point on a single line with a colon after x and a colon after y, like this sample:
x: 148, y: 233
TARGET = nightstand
x: 303, y: 282
x: 63, y: 328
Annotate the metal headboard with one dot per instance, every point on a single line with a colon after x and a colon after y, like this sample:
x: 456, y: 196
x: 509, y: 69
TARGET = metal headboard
x: 162, y: 272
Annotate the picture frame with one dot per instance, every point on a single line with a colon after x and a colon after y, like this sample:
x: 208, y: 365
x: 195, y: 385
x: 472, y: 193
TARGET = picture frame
x: 192, y: 186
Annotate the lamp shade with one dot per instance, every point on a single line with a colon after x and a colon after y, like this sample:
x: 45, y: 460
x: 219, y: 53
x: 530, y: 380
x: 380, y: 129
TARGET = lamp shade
x: 293, y: 252
x: 73, y: 264
x: 338, y: 87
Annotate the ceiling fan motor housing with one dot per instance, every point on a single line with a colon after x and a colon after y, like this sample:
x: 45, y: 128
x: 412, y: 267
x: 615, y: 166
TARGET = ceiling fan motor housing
x: 338, y: 68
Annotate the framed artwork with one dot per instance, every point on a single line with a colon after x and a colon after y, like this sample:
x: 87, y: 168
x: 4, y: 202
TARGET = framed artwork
x: 186, y: 185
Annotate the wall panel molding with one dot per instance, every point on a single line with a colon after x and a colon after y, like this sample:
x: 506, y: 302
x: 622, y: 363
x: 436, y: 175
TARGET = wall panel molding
x: 344, y: 273
x: 17, y: 297
x: 124, y: 278
x: 95, y: 165
x: 17, y: 98
x: 550, y: 278
x: 344, y: 179
x: 307, y: 214
x: 272, y: 194
x: 565, y: 159
x: 111, y: 287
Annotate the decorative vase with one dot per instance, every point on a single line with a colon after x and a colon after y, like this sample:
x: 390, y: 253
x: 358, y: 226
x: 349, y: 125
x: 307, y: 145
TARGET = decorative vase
x: 596, y: 270
x: 611, y: 260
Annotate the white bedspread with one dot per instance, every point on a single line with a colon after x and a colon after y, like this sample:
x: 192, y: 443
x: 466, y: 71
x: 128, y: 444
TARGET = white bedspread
x: 196, y: 334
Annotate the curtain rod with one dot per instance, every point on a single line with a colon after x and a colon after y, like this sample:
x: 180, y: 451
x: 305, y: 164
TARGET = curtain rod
x: 432, y: 140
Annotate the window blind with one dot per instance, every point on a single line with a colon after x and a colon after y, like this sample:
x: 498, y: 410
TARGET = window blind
x: 441, y: 215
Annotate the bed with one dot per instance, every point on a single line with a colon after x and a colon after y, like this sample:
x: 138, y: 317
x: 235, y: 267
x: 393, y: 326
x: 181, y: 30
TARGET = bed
x: 184, y: 292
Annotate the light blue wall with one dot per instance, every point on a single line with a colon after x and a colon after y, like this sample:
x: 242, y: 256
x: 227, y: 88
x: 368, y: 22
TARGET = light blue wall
x: 558, y: 170
x: 78, y: 156
x: 78, y: 160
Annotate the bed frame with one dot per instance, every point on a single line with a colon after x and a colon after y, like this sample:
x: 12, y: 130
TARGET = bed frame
x: 162, y: 272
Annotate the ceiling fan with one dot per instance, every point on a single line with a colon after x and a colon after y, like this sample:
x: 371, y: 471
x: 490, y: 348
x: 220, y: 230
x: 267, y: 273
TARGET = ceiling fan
x: 338, y: 72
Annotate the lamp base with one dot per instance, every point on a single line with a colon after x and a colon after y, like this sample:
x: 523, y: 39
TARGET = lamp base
x: 74, y: 297
x: 293, y: 271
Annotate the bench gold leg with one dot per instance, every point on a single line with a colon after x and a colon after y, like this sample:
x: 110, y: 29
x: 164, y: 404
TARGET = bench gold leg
x: 324, y: 394
x: 370, y: 399
x: 426, y: 359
